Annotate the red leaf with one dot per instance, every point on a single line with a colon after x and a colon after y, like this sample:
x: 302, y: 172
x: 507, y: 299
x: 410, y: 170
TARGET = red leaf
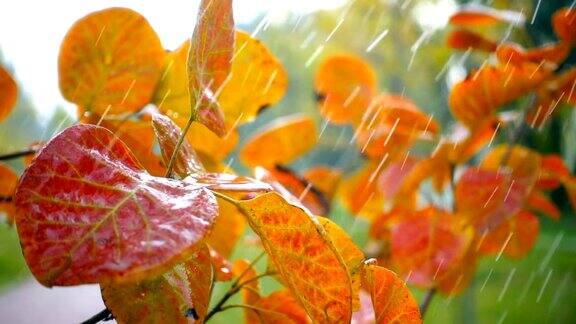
x: 87, y: 213
x: 168, y: 134
x: 209, y: 60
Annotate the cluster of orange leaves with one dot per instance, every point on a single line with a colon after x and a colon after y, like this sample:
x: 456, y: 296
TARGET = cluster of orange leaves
x: 495, y: 201
x: 99, y: 204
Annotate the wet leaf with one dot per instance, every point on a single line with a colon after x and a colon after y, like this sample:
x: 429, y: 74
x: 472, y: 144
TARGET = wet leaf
x: 222, y: 268
x: 458, y: 277
x: 479, y: 15
x: 168, y: 134
x: 564, y: 24
x: 280, y: 142
x: 8, y: 183
x: 427, y: 244
x: 87, y: 212
x: 463, y: 39
x: 168, y: 298
x: 344, y: 85
x: 391, y: 125
x: 9, y: 91
x: 307, y: 260
x: 484, y: 91
x: 391, y: 299
x: 209, y: 61
x: 139, y: 135
x: 110, y: 62
x: 516, y: 236
x: 257, y: 81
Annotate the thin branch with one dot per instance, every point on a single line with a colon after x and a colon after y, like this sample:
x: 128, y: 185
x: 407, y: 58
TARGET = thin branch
x: 234, y: 289
x: 178, y: 145
x: 19, y: 154
x: 426, y: 302
x: 5, y: 199
x: 102, y: 316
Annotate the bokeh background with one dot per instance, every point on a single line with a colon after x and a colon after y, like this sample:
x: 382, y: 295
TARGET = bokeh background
x: 411, y: 58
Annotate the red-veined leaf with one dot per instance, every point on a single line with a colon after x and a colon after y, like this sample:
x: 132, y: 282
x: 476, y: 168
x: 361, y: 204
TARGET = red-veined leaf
x: 186, y: 162
x: 209, y: 61
x: 87, y: 212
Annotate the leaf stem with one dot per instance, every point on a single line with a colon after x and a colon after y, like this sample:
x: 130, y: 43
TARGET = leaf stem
x: 225, y: 197
x: 426, y: 302
x: 15, y: 155
x: 103, y: 316
x: 6, y: 199
x: 170, y: 168
x: 234, y: 288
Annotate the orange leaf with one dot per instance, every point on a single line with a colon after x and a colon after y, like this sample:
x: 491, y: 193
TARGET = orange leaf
x: 305, y: 257
x: 391, y: 299
x: 360, y: 193
x: 553, y: 54
x: 9, y: 91
x: 516, y: 236
x: 222, y: 268
x: 554, y: 171
x: 556, y: 91
x: 87, y: 212
x: 257, y: 81
x: 280, y: 142
x: 211, y: 149
x: 478, y: 15
x: 427, y: 244
x: 209, y: 57
x: 174, y: 297
x: 8, y: 183
x: 564, y: 23
x: 459, y: 276
x: 301, y: 189
x: 463, y: 39
x: 168, y: 134
x: 110, y: 62
x: 539, y: 202
x: 391, y: 125
x: 324, y: 178
x: 344, y: 85
x: 484, y: 91
x: 228, y: 228
x: 279, y: 307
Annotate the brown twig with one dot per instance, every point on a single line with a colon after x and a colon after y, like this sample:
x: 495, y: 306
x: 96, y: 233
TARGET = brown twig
x: 426, y: 302
x: 103, y: 316
x: 19, y: 154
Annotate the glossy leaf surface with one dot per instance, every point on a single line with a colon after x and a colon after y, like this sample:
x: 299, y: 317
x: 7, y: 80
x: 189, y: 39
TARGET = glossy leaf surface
x: 209, y: 61
x: 88, y: 212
